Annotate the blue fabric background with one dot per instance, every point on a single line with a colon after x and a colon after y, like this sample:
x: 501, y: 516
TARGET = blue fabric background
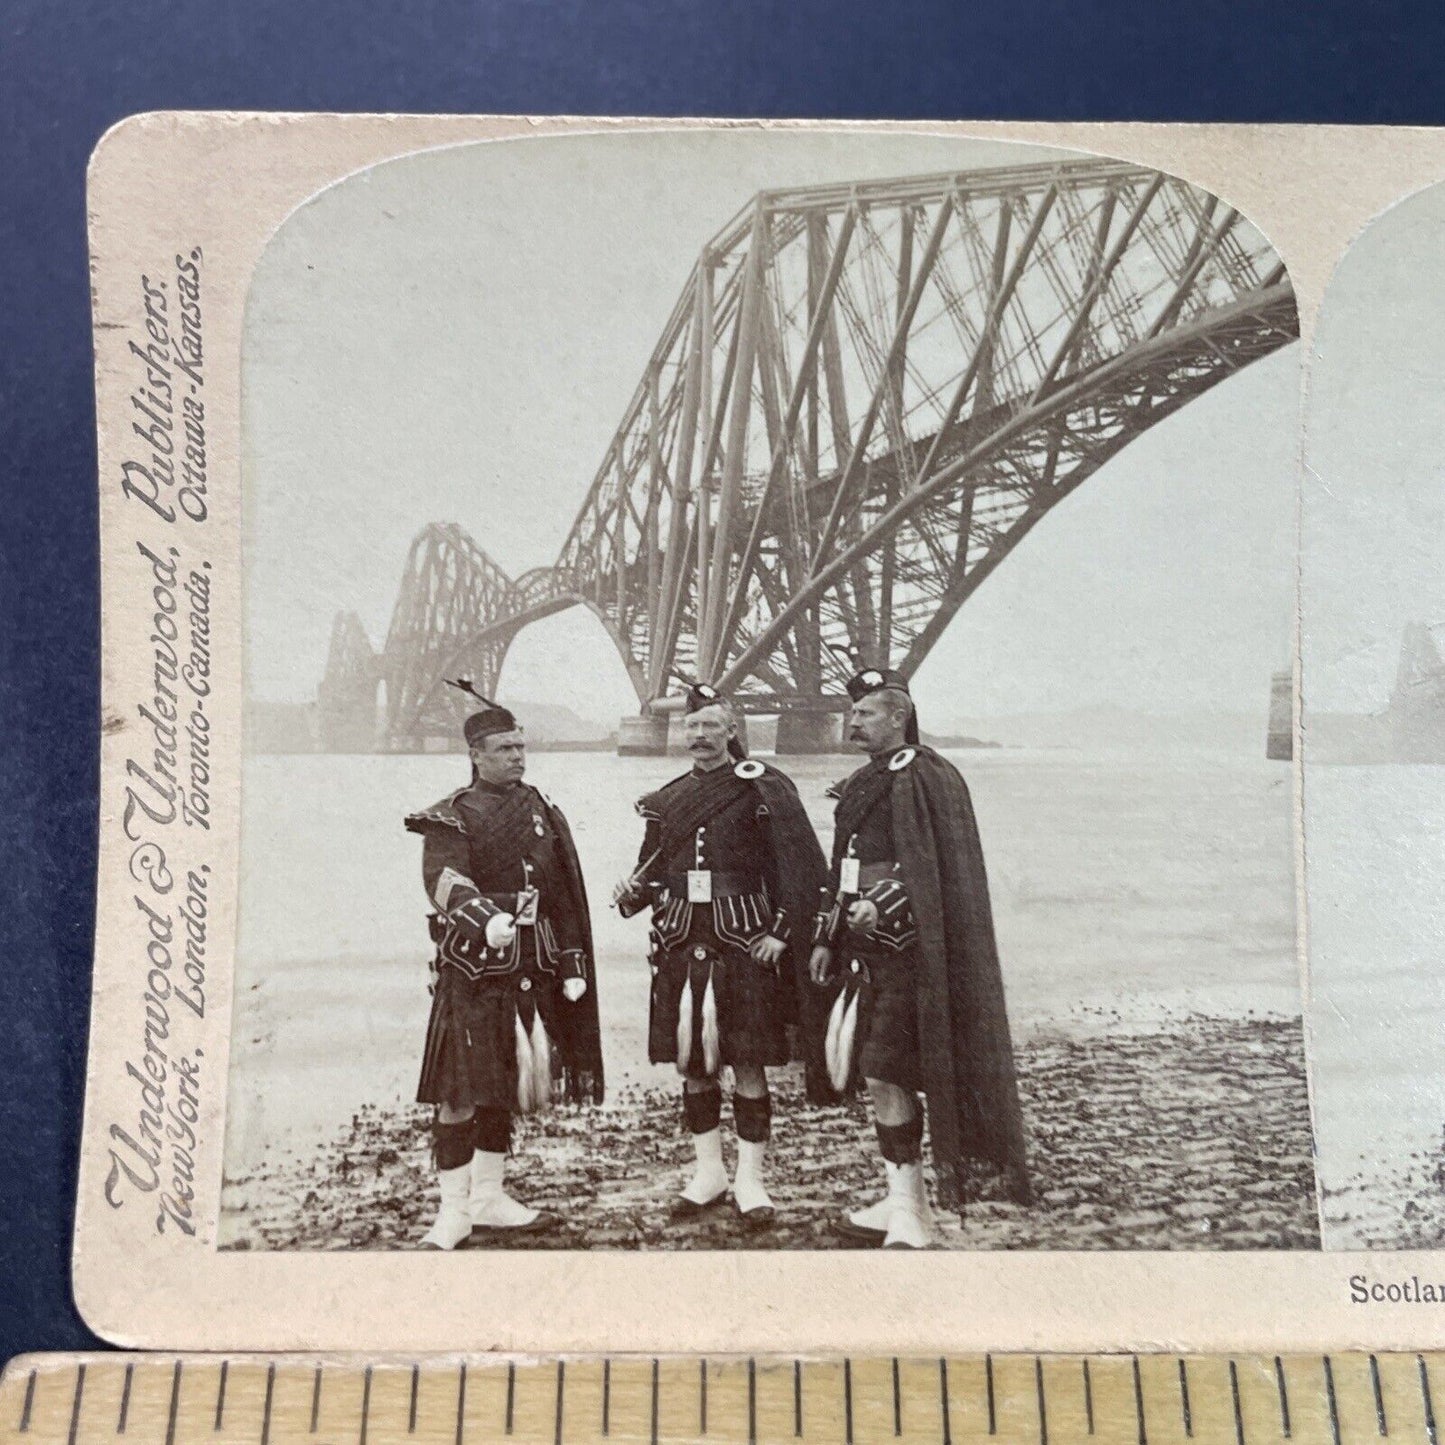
x: 67, y: 71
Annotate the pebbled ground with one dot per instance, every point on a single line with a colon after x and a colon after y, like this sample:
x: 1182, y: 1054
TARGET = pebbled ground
x: 1190, y: 1136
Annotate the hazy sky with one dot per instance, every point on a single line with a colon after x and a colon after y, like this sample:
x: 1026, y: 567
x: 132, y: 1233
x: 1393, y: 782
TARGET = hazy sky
x: 1374, y: 489
x: 454, y: 337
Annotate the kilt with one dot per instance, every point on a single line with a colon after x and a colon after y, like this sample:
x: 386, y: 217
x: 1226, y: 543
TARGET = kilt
x: 470, y: 1056
x: 746, y: 997
x: 886, y: 1047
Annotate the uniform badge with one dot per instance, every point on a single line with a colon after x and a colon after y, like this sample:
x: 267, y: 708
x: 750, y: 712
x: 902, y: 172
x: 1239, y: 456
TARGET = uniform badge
x: 699, y: 953
x: 749, y: 770
x: 901, y: 759
x: 537, y: 827
x: 871, y: 678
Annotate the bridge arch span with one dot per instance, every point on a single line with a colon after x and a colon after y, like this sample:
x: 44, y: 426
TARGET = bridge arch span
x: 1023, y: 465
x: 457, y: 614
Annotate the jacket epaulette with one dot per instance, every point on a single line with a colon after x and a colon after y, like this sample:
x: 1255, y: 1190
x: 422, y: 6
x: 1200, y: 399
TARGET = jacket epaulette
x: 645, y: 805
x: 442, y: 814
x: 835, y: 790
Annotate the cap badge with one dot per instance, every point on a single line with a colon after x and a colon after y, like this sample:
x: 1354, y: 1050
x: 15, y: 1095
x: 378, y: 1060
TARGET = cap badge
x: 871, y: 678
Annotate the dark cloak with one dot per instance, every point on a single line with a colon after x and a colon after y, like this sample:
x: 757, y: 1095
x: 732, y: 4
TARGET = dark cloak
x: 802, y: 878
x: 966, y: 1054
x: 577, y: 1033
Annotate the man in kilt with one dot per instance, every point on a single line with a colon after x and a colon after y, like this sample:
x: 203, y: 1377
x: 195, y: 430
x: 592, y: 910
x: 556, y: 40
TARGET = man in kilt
x: 514, y: 1002
x: 733, y: 870
x: 921, y: 1004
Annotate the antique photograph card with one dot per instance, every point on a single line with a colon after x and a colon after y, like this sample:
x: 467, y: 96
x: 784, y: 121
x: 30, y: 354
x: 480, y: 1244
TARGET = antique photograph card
x: 707, y: 722
x: 1373, y: 513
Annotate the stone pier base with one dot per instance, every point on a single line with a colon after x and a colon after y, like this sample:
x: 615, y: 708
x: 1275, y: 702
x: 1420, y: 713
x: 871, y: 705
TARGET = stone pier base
x: 809, y: 732
x: 642, y: 737
x: 1279, y: 744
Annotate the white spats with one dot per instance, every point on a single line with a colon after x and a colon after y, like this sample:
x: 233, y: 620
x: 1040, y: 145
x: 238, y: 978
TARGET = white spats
x: 750, y: 1194
x: 909, y: 1217
x: 490, y: 1206
x: 709, y: 1180
x: 872, y: 1219
x: 454, y: 1221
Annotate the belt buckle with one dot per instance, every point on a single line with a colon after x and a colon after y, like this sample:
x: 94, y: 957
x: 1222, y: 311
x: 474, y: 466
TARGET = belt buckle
x: 699, y: 885
x: 526, y: 908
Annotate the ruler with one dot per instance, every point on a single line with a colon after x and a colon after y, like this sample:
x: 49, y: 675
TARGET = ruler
x: 991, y: 1399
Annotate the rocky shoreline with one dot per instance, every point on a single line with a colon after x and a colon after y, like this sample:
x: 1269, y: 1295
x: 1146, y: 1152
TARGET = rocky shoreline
x: 1191, y: 1135
x: 1399, y: 1209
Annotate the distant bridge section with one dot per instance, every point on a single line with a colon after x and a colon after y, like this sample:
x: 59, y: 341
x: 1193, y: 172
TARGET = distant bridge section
x: 864, y: 399
x: 1417, y: 705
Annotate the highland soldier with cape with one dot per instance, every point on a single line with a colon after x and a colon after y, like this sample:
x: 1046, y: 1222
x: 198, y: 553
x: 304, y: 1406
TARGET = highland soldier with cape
x: 514, y: 1004
x: 920, y: 1010
x: 732, y: 869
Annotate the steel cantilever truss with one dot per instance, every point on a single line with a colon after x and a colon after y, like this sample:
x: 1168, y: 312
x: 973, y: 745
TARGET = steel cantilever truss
x: 865, y: 397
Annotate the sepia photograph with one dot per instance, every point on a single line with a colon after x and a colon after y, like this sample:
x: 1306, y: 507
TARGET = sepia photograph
x: 1372, y: 643
x: 768, y: 707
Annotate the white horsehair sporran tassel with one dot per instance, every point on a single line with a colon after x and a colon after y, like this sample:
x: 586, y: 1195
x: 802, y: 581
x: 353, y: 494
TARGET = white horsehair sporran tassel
x: 830, y: 1042
x: 684, y: 1026
x: 541, y: 1064
x: 846, y: 1033
x: 711, y: 1051
x: 524, y: 1067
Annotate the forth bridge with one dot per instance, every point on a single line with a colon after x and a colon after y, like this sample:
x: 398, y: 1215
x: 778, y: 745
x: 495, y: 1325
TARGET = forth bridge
x: 862, y: 402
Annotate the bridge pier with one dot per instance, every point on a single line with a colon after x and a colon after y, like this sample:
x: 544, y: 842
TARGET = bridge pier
x: 1279, y: 744
x: 809, y: 732
x: 642, y: 737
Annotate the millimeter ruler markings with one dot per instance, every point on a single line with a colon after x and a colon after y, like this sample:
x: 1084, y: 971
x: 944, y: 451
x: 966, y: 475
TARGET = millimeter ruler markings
x: 1005, y: 1399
